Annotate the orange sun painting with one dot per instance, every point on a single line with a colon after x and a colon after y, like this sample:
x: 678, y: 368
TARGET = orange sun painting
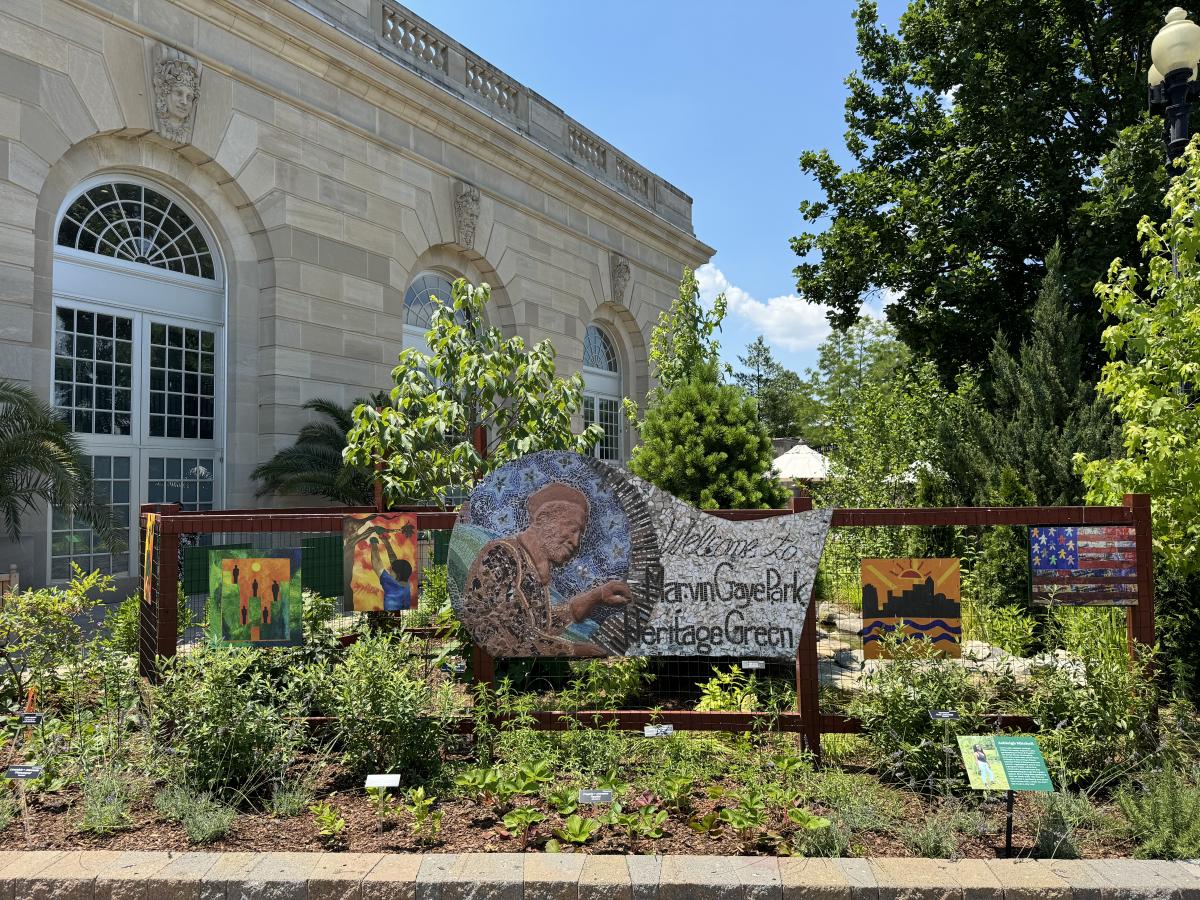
x: 920, y: 597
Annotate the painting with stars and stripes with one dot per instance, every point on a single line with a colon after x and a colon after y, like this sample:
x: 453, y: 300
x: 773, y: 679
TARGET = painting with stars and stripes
x: 1092, y: 565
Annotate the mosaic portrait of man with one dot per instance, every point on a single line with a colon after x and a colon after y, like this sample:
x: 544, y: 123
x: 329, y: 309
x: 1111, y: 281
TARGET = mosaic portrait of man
x: 508, y: 595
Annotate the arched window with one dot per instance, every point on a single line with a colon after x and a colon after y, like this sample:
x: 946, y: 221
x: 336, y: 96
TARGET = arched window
x: 602, y: 392
x: 138, y: 357
x: 419, y: 305
x: 138, y: 224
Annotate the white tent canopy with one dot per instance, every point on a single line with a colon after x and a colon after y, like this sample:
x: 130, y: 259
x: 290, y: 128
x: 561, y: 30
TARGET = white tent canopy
x: 801, y: 463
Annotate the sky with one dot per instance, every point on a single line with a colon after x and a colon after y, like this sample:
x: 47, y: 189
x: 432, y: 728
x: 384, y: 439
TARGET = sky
x: 718, y: 98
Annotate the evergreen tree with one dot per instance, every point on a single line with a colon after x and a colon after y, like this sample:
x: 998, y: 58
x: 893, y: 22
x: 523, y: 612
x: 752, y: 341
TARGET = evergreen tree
x: 702, y: 441
x: 1043, y: 410
x: 777, y: 390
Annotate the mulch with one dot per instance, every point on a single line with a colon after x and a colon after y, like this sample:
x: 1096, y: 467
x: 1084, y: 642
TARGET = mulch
x: 53, y: 824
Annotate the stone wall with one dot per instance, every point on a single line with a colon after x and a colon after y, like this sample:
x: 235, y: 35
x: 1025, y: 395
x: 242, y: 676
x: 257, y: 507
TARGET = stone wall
x: 330, y: 172
x: 132, y: 875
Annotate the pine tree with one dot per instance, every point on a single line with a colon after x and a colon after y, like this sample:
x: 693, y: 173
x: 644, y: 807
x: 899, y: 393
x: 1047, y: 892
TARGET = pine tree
x: 702, y: 441
x: 1043, y: 410
x: 776, y: 389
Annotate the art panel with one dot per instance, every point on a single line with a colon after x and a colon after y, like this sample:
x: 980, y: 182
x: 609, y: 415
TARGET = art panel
x: 1093, y: 565
x: 920, y: 596
x: 254, y: 597
x: 380, y: 561
x: 560, y: 554
x: 148, y: 557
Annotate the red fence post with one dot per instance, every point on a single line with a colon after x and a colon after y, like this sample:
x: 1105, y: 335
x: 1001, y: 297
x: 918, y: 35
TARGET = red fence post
x: 808, y: 675
x: 1140, y: 618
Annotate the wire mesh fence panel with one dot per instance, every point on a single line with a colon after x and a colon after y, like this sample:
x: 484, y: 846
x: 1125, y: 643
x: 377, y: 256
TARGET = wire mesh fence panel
x: 832, y: 664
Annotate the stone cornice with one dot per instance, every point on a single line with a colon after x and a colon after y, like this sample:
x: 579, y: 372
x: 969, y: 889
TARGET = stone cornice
x: 291, y: 33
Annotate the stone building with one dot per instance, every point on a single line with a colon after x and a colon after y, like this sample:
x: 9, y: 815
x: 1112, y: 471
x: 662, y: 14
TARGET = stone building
x: 212, y: 211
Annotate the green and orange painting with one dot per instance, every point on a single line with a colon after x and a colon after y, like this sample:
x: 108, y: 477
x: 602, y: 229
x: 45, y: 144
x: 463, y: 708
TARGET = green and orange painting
x: 254, y: 597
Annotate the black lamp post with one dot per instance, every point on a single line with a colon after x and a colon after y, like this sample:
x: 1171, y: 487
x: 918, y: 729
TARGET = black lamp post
x: 1175, y: 51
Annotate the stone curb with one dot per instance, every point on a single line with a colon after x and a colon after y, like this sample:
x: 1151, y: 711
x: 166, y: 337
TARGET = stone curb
x: 133, y: 875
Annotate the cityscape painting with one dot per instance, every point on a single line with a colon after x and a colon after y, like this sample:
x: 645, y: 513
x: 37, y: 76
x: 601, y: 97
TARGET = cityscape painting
x: 921, y: 597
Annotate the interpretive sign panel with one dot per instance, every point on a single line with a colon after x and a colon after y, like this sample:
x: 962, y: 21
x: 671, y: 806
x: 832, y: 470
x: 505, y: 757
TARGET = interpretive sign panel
x: 559, y: 554
x: 1004, y: 763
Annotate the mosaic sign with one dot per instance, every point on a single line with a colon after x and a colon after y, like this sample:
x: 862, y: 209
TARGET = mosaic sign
x: 254, y: 597
x: 380, y: 561
x: 921, y: 597
x: 559, y: 554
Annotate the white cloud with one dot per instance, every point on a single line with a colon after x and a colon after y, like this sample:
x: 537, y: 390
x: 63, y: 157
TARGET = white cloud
x: 785, y: 321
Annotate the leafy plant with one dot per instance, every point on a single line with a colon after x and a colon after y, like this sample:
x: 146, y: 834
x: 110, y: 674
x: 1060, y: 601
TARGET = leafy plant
x: 1164, y: 816
x: 472, y: 378
x: 708, y: 823
x: 650, y: 821
x: 229, y: 729
x: 289, y: 798
x: 426, y: 821
x: 106, y: 799
x: 812, y: 836
x: 747, y: 817
x: 313, y: 466
x: 209, y: 821
x: 933, y: 838
x: 578, y: 830
x: 676, y: 792
x: 383, y: 803
x: 894, y: 705
x: 204, y: 819
x: 390, y: 718
x: 329, y: 824
x: 479, y: 784
x: 43, y: 462
x: 40, y: 638
x: 564, y: 801
x: 8, y: 810
x: 521, y: 821
x: 1059, y: 817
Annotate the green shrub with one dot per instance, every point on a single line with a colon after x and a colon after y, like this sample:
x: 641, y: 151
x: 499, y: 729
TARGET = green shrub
x: 106, y: 799
x: 894, y: 706
x: 934, y: 838
x: 1164, y: 815
x: 736, y: 690
x: 605, y: 684
x: 40, y: 638
x: 229, y: 729
x: 1059, y: 817
x: 204, y: 819
x: 289, y: 799
x: 1094, y: 716
x: 389, y: 718
x: 122, y: 623
x: 8, y: 810
x: 208, y: 820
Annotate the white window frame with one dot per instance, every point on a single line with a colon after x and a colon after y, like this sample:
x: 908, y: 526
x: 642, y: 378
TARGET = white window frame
x: 90, y: 282
x: 603, y: 384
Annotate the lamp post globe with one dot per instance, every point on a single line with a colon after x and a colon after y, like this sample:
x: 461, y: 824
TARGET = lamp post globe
x: 1175, y: 52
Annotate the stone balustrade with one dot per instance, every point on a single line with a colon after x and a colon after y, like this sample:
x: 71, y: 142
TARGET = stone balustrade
x: 406, y: 38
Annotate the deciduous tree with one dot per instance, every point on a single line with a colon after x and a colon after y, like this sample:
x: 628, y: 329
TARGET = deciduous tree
x: 975, y: 130
x: 473, y: 381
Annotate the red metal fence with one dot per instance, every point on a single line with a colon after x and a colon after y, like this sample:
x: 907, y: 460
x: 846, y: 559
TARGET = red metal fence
x: 160, y: 612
